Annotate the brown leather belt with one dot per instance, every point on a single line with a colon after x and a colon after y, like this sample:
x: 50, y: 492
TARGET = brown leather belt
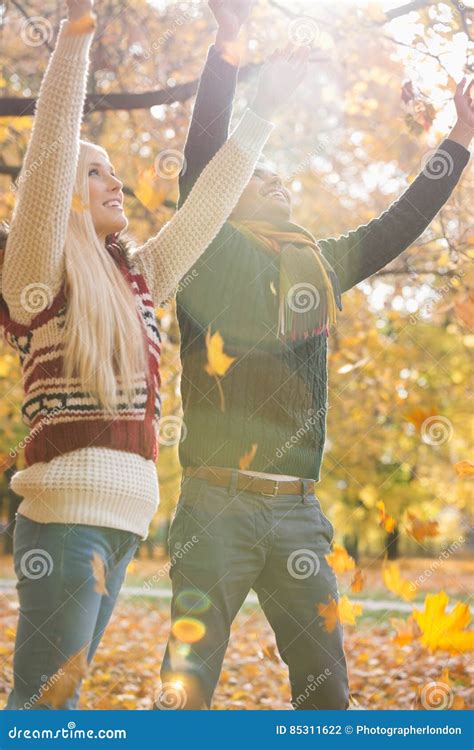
x: 220, y: 477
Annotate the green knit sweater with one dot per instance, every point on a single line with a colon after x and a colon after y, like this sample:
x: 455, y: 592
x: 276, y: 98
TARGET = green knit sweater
x: 272, y: 402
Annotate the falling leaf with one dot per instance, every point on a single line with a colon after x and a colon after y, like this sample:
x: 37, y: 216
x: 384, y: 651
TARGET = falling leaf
x: 441, y: 630
x: 98, y: 570
x: 78, y: 204
x: 343, y: 612
x: 217, y: 361
x: 358, y: 581
x: 82, y: 25
x: 407, y: 630
x: 388, y: 522
x: 246, y: 460
x: 62, y: 685
x: 464, y: 469
x: 339, y: 559
x: 395, y: 583
x: 419, y: 530
x: 418, y: 416
x: 464, y: 309
x: 149, y: 190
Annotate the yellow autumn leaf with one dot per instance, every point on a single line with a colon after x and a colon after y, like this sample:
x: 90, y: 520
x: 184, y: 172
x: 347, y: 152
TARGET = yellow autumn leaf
x: 98, y: 571
x: 217, y: 361
x: 369, y: 495
x: 441, y: 630
x: 246, y: 461
x: 78, y: 204
x: 395, y: 583
x: 388, y: 522
x: 348, y: 611
x: 148, y: 190
x: 339, y: 559
x: 343, y: 611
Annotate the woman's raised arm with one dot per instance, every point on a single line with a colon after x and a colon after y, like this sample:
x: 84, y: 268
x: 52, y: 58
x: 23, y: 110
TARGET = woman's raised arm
x: 34, y: 256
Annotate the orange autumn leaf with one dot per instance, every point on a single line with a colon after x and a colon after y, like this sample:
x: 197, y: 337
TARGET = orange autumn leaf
x: 464, y: 469
x: 98, y: 571
x: 388, y: 522
x: 464, y: 309
x: 218, y: 362
x: 417, y: 416
x: 63, y: 683
x: 407, y: 630
x: 246, y: 460
x: 343, y: 611
x: 395, y: 583
x: 82, y: 25
x: 340, y: 560
x: 441, y: 630
x: 419, y: 529
x: 358, y: 581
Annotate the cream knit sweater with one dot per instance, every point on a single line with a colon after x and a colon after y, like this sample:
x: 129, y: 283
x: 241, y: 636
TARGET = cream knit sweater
x: 101, y: 486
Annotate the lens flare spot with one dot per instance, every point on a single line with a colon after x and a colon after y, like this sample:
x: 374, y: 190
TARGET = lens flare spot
x: 193, y: 601
x: 183, y: 649
x: 188, y: 629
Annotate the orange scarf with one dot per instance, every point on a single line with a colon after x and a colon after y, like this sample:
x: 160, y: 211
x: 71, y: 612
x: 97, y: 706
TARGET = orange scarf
x: 309, y: 288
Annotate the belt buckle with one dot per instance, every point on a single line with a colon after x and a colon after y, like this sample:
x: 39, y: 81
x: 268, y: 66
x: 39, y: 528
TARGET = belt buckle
x: 275, y: 490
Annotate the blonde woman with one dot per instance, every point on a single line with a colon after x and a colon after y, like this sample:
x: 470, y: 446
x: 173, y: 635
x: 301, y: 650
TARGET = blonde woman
x: 78, y: 305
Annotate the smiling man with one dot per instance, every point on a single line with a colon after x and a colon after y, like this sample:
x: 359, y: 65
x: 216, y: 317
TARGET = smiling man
x: 254, y: 328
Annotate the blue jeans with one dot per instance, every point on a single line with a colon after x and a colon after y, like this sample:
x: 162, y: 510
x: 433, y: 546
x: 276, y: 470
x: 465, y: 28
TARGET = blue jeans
x: 69, y: 577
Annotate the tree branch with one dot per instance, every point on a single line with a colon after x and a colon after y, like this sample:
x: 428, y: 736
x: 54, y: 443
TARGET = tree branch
x: 11, y: 106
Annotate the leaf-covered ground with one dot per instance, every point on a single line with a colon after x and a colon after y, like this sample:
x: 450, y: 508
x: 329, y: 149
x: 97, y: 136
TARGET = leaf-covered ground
x: 383, y: 674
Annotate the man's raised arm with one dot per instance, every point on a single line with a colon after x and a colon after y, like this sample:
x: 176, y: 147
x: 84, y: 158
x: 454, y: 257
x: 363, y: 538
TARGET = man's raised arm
x: 364, y: 251
x: 209, y: 128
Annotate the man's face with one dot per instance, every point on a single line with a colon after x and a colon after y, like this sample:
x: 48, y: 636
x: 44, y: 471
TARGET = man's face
x: 264, y: 198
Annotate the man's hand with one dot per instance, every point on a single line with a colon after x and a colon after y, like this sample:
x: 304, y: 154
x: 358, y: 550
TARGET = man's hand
x: 279, y: 78
x: 76, y: 9
x: 230, y: 15
x: 463, y: 131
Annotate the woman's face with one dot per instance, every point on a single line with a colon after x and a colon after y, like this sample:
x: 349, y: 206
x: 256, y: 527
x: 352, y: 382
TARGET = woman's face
x: 106, y: 197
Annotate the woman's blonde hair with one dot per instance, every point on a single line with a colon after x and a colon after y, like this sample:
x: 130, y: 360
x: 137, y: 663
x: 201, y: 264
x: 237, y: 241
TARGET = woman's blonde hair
x: 105, y: 342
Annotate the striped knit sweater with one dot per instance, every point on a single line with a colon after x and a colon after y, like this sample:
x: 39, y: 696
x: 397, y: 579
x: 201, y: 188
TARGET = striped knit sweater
x: 83, y: 467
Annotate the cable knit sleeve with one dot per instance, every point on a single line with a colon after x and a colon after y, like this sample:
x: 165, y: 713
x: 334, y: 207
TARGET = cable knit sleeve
x: 166, y: 257
x: 34, y: 256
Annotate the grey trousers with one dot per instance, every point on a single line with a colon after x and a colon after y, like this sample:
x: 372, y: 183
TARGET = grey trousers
x: 225, y: 542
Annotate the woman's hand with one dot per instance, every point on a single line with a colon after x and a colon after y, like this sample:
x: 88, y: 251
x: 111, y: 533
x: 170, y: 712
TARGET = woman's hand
x: 77, y: 9
x: 463, y: 131
x: 279, y: 78
x: 230, y: 15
